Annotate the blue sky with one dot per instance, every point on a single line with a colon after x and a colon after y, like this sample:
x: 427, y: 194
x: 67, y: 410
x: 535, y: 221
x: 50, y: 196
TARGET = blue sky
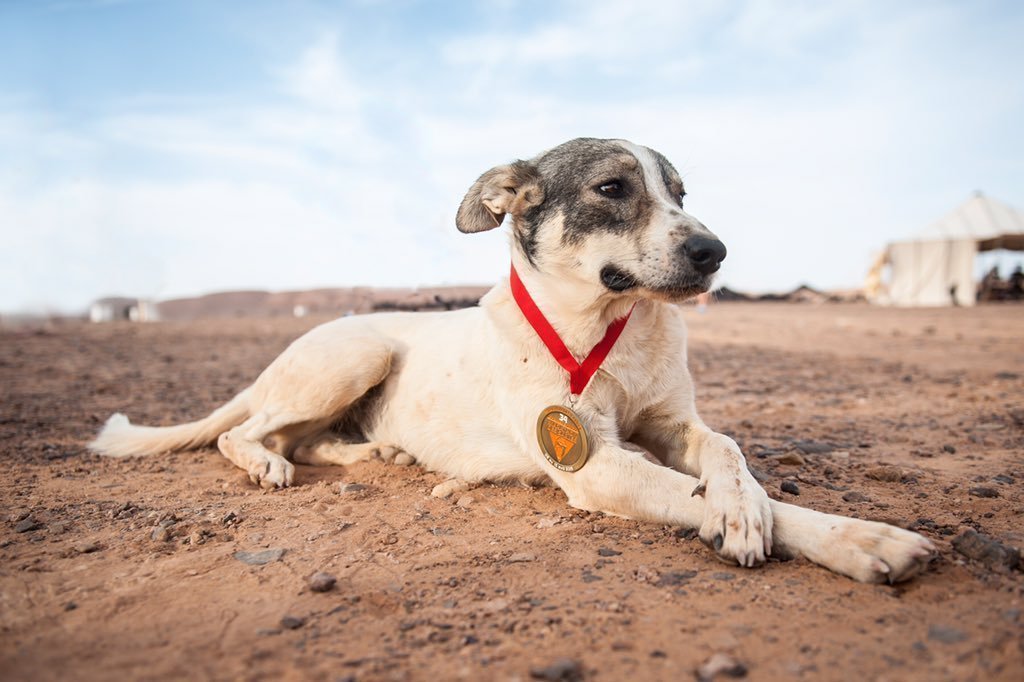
x: 164, y: 148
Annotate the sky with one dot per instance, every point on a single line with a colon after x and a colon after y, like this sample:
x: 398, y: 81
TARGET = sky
x: 167, y: 148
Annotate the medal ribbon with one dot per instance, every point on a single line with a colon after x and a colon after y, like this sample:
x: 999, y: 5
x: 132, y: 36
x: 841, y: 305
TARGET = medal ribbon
x: 579, y: 373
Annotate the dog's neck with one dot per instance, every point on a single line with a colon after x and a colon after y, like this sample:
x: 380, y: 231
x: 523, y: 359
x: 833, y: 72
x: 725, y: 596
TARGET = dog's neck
x: 579, y: 314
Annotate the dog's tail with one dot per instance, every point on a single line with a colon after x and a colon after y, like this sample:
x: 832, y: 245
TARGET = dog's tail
x: 121, y: 438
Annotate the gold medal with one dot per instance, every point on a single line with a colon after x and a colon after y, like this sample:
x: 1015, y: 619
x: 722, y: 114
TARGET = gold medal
x: 562, y: 438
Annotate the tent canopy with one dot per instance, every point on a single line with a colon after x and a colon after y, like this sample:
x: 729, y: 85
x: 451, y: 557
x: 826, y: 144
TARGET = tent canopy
x: 936, y: 266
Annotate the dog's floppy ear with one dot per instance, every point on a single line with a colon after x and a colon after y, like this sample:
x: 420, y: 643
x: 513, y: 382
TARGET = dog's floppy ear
x: 504, y: 189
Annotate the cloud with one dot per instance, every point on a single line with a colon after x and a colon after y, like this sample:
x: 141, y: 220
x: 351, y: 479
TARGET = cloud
x: 808, y: 138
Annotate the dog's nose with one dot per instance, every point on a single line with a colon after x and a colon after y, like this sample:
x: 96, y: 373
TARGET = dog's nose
x: 705, y: 253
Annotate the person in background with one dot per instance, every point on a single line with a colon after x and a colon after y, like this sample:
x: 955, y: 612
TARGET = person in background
x: 1017, y: 283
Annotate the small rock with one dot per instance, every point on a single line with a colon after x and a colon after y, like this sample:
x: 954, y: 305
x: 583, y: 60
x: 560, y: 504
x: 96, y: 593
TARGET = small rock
x: 946, y: 634
x: 1005, y: 478
x: 259, y: 558
x: 160, y: 534
x: 723, y: 575
x: 292, y: 622
x: 949, y: 448
x: 891, y: 474
x: 983, y: 491
x: 675, y: 578
x: 604, y: 551
x: 70, y: 606
x: 982, y: 548
x: 464, y: 501
x: 561, y: 670
x: 794, y: 458
x: 27, y: 524
x: 685, y: 533
x: 522, y: 557
x: 88, y: 547
x: 812, y: 447
x: 349, y: 488
x: 854, y: 496
x: 758, y: 475
x: 721, y: 664
x: 322, y: 582
x: 548, y: 523
x: 404, y: 459
x: 790, y: 487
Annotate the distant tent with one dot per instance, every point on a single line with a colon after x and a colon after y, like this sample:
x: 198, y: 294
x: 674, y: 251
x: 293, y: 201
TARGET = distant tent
x: 937, y: 266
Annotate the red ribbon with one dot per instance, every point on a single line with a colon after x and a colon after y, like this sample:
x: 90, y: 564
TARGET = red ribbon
x: 579, y: 373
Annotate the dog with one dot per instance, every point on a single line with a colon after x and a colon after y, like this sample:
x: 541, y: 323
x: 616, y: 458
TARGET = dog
x: 599, y: 241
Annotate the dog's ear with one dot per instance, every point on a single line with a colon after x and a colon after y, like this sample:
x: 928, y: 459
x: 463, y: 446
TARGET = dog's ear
x: 504, y: 189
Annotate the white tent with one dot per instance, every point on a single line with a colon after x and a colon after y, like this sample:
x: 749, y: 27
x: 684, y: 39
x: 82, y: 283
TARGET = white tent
x: 936, y: 267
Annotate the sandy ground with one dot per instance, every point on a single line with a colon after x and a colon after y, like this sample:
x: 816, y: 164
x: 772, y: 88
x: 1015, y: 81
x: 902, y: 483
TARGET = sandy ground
x: 129, y: 569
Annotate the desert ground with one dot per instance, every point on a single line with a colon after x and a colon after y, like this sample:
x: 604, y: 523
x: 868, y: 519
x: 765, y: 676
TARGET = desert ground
x: 177, y: 567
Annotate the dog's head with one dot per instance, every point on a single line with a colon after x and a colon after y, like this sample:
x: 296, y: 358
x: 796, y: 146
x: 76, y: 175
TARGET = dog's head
x: 607, y: 212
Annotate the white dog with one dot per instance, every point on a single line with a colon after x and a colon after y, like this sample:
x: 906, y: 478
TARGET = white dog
x: 601, y: 246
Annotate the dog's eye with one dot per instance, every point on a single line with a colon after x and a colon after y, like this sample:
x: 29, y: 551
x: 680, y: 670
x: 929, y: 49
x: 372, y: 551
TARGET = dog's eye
x: 682, y: 195
x: 612, y: 188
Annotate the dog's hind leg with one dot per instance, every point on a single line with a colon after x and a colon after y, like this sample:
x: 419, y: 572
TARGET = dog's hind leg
x: 245, y: 449
x: 305, y: 390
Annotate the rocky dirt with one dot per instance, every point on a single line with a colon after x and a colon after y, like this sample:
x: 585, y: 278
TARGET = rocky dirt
x: 176, y: 567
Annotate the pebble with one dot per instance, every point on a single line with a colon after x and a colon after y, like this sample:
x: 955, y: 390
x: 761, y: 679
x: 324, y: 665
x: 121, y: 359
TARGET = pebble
x: 292, y: 622
x: 27, y: 524
x: 464, y: 501
x: 259, y: 558
x: 891, y: 474
x: 604, y: 551
x: 347, y: 488
x: 812, y: 447
x: 522, y: 557
x: 949, y: 448
x: 160, y: 534
x: 404, y: 459
x: 983, y: 491
x: 854, y: 496
x: 88, y: 547
x: 986, y: 550
x: 322, y: 582
x: 675, y: 578
x: 794, y: 458
x: 685, y: 533
x: 758, y: 475
x: 946, y: 634
x: 790, y: 487
x: 561, y: 670
x: 721, y: 664
x: 548, y: 523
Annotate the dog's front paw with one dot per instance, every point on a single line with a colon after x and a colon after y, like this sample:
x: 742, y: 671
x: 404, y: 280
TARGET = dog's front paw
x: 271, y: 473
x: 873, y: 552
x: 737, y: 519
